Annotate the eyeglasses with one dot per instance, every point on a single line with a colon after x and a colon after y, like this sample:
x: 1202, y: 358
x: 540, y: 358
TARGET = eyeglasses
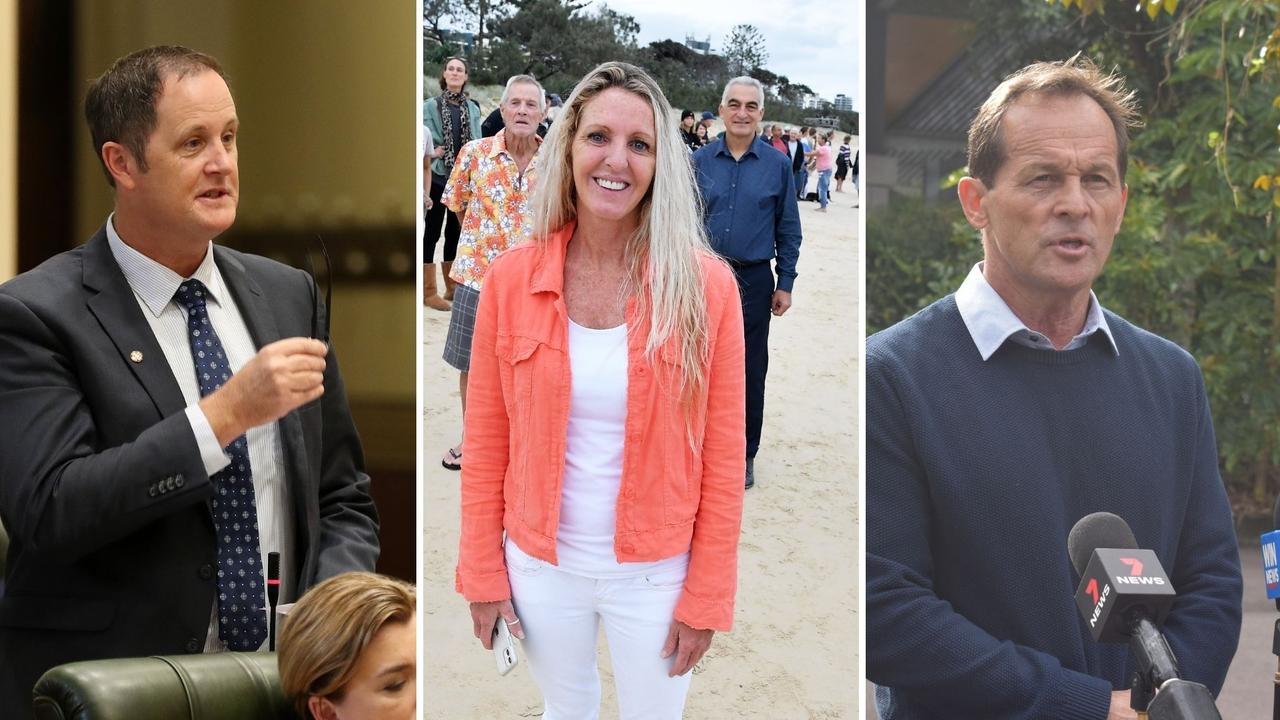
x: 319, y: 319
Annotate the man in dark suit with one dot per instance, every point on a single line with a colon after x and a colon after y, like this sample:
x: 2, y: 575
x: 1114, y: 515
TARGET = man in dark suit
x: 796, y: 151
x: 167, y: 418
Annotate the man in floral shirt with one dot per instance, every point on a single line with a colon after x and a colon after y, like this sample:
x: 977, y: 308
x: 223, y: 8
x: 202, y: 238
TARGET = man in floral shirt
x: 489, y: 189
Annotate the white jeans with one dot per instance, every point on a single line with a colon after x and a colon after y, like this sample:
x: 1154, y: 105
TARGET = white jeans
x: 561, y: 613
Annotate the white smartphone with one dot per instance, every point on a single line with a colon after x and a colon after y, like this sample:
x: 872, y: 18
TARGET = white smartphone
x: 504, y: 647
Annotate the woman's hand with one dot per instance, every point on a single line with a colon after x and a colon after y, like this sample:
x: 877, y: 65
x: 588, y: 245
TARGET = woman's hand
x: 686, y: 643
x: 484, y: 618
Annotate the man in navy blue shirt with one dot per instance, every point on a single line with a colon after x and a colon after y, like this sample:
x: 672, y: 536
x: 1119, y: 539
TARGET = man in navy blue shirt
x: 751, y: 218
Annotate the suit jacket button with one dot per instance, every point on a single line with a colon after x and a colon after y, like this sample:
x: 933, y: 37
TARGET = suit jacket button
x: 179, y: 481
x: 193, y: 645
x: 151, y: 491
x: 168, y: 483
x: 205, y: 572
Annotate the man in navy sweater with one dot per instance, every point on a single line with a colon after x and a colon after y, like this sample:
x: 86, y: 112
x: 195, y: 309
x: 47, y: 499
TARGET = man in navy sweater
x: 999, y: 416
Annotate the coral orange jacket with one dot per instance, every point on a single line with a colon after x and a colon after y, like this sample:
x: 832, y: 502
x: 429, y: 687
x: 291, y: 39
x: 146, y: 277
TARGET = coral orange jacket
x: 673, y: 497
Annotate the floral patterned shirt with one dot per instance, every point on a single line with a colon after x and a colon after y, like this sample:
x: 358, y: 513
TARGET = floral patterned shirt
x: 489, y: 187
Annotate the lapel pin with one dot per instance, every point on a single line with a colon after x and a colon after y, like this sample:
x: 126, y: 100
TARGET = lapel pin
x: 136, y: 356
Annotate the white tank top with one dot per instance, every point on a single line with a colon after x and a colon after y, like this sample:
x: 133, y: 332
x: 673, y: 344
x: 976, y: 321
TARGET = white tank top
x: 593, y: 457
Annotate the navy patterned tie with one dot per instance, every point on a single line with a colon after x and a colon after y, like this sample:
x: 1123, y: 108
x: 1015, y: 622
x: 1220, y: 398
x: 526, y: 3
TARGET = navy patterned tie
x: 242, y: 624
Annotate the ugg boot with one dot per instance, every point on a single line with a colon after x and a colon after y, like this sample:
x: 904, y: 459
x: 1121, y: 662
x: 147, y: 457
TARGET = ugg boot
x: 449, y: 283
x: 429, y: 296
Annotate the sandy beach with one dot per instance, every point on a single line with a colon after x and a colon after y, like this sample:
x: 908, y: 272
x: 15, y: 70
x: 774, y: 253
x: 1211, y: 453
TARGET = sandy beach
x: 793, y: 651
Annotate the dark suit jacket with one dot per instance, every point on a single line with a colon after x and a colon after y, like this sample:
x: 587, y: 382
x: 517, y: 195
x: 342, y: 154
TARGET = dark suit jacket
x: 797, y: 157
x: 102, y: 488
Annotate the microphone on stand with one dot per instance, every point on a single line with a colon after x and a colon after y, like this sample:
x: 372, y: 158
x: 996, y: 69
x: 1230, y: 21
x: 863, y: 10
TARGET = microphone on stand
x: 1124, y: 596
x: 273, y: 597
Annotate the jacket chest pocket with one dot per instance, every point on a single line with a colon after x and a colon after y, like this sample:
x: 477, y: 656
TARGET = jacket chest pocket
x: 529, y: 372
x: 517, y: 367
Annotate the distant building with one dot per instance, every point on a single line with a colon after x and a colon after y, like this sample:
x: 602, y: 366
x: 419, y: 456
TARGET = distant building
x: 464, y: 39
x: 844, y: 102
x: 702, y: 46
x: 813, y: 102
x: 823, y: 122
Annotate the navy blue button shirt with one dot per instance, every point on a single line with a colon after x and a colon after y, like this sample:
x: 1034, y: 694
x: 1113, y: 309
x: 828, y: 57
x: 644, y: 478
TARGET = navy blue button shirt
x: 750, y: 205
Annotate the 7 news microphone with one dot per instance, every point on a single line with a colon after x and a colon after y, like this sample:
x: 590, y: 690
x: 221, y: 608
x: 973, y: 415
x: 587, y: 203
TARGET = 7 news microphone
x: 1125, y: 596
x: 1271, y: 578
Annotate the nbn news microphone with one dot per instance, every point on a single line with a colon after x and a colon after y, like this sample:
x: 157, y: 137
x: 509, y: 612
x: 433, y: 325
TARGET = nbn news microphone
x: 1271, y: 578
x: 1270, y: 567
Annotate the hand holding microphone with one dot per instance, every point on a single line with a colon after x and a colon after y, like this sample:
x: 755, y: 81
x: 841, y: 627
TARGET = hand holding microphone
x: 1125, y: 596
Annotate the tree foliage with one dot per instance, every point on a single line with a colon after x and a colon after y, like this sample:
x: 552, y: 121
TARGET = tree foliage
x: 744, y: 49
x: 688, y: 78
x: 559, y: 41
x: 915, y: 255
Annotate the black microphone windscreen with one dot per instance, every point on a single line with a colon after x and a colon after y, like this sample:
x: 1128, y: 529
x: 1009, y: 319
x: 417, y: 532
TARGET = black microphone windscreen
x: 1098, y: 530
x: 273, y: 565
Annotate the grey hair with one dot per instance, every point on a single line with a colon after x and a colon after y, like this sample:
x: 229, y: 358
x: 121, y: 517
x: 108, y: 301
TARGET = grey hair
x: 666, y: 250
x: 529, y: 79
x: 743, y: 80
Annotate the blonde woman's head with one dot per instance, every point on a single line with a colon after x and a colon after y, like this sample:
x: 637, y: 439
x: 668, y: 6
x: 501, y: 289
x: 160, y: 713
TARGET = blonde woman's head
x: 666, y: 239
x: 556, y: 197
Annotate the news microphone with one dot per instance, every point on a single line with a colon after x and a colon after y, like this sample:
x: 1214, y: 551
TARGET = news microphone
x: 1118, y: 582
x: 1271, y: 578
x: 1124, y: 595
x: 273, y: 597
x: 1270, y: 567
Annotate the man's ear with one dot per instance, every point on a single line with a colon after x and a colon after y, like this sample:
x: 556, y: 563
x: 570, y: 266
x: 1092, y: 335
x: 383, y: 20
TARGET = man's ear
x: 121, y: 163
x: 973, y: 192
x: 321, y: 708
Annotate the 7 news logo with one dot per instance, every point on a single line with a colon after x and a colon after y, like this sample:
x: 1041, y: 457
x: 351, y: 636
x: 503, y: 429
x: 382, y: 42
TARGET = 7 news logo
x: 1135, y: 576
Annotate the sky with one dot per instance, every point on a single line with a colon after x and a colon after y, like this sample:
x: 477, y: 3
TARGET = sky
x: 814, y: 42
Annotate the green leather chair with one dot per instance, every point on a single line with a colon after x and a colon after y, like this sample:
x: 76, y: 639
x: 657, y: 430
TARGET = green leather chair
x: 221, y: 686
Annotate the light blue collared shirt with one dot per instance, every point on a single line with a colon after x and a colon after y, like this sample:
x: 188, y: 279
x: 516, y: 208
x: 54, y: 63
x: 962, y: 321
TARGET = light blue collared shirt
x: 990, y: 321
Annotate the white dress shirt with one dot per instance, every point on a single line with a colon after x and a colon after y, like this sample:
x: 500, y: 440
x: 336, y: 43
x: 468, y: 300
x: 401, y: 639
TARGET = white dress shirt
x: 154, y: 286
x: 990, y: 321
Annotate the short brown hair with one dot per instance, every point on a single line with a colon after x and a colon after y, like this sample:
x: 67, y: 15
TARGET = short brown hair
x: 121, y: 104
x: 1076, y: 76
x: 331, y: 626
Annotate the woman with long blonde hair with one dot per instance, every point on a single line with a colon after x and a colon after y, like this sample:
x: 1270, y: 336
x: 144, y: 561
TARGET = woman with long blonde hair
x: 605, y: 419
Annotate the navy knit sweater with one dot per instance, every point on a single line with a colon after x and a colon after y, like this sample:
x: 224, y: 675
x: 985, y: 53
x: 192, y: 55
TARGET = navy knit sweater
x: 976, y: 472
